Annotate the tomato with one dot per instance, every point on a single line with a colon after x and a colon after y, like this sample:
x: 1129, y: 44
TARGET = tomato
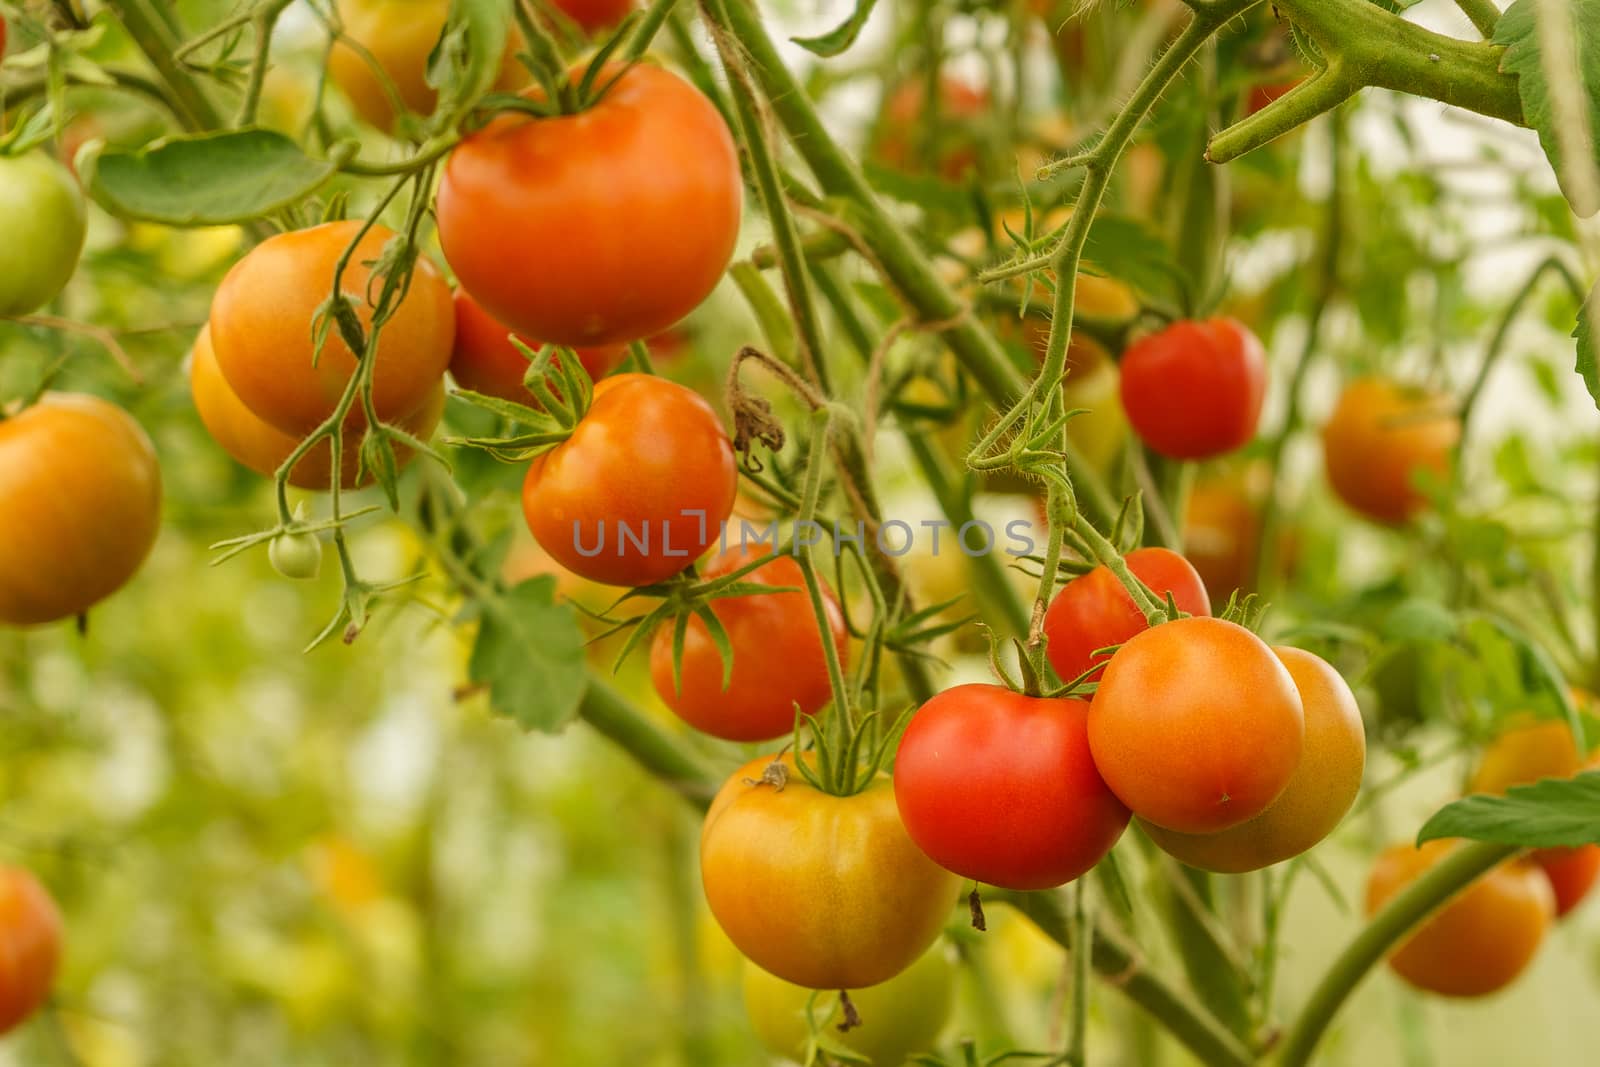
x: 1268, y: 93
x: 1323, y: 786
x: 1195, y: 389
x: 263, y: 448
x: 485, y: 361
x: 80, y: 504
x: 1525, y: 753
x: 597, y: 228
x: 42, y: 223
x: 297, y: 556
x: 1000, y: 787
x: 398, y: 36
x: 1196, y: 725
x: 594, y: 15
x: 826, y: 892
x: 778, y: 658
x: 640, y: 489
x: 962, y: 106
x: 30, y: 945
x: 1094, y: 611
x: 262, y: 328
x: 1478, y: 942
x: 899, y: 1018
x: 1380, y: 436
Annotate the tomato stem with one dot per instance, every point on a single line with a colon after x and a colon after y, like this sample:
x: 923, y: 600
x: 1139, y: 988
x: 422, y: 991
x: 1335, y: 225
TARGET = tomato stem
x: 1406, y: 910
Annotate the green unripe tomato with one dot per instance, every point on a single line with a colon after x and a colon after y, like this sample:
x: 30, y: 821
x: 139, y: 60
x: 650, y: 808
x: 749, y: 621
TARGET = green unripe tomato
x: 42, y: 221
x: 899, y: 1018
x: 297, y: 556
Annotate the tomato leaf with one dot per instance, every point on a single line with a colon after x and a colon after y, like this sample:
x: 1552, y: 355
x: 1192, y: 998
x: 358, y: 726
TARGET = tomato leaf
x: 1588, y: 335
x: 842, y: 36
x: 1518, y: 31
x: 1127, y: 249
x: 529, y: 652
x: 208, y: 179
x: 1556, y: 812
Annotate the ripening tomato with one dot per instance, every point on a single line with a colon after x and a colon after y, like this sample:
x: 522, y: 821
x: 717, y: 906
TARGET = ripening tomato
x: 1526, y: 753
x: 592, y: 15
x: 1195, y: 389
x: 1094, y: 611
x: 1000, y: 787
x: 1319, y: 794
x: 398, y: 36
x: 1482, y: 939
x: 262, y: 328
x: 640, y: 489
x: 826, y: 892
x: 80, y: 506
x: 485, y: 361
x: 899, y: 1018
x: 778, y: 657
x: 30, y: 945
x: 246, y: 437
x: 1196, y: 725
x: 42, y: 224
x: 598, y: 228
x: 1382, y: 434
x: 962, y: 106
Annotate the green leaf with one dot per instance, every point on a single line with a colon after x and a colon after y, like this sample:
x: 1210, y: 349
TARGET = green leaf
x: 1518, y: 31
x: 1127, y: 249
x: 529, y: 652
x: 1553, y: 813
x: 208, y: 179
x: 840, y: 37
x: 1419, y: 619
x: 1588, y: 335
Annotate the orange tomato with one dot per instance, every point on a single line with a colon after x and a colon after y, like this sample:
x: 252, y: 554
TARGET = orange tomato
x: 262, y: 326
x: 485, y: 361
x: 1382, y: 434
x: 30, y: 945
x: 598, y: 228
x: 1318, y: 795
x: 826, y: 892
x: 1478, y: 942
x: 1197, y: 726
x: 261, y: 447
x: 80, y: 506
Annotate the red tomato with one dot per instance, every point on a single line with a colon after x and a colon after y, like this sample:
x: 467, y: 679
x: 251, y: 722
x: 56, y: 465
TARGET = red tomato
x: 30, y: 945
x: 1000, y: 787
x: 778, y: 658
x: 826, y: 892
x: 1094, y: 611
x: 485, y: 361
x: 1197, y: 726
x: 640, y: 489
x: 80, y: 506
x: 263, y: 334
x: 960, y: 106
x: 1194, y: 390
x: 597, y: 228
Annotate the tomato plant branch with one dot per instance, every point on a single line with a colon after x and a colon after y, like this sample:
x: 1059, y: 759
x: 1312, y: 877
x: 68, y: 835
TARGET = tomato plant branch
x: 155, y: 39
x: 548, y: 66
x: 262, y: 19
x: 1484, y: 15
x: 655, y: 16
x: 657, y: 751
x: 1386, y: 929
x: 1502, y: 333
x: 1115, y: 961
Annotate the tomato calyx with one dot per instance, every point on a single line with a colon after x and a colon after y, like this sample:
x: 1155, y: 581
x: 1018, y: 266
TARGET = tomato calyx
x: 562, y: 387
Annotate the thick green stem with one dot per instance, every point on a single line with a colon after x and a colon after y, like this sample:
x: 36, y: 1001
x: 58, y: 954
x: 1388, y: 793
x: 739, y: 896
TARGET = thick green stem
x: 1382, y: 933
x: 655, y: 750
x: 1484, y: 15
x: 1186, y: 1021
